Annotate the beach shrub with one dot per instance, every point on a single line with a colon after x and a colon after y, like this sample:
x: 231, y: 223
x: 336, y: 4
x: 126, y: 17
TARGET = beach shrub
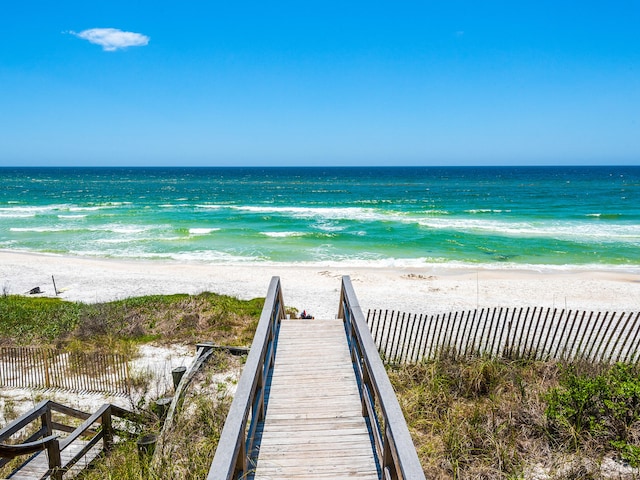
x: 601, y: 408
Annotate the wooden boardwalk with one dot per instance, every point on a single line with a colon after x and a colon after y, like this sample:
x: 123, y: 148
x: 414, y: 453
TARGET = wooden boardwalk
x: 38, y: 466
x: 314, y: 426
x: 72, y: 447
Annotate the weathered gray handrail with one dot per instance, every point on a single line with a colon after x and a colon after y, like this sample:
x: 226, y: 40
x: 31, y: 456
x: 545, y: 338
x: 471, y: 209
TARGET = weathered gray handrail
x: 39, y: 411
x: 44, y: 439
x: 395, y: 449
x: 231, y: 459
x: 10, y: 451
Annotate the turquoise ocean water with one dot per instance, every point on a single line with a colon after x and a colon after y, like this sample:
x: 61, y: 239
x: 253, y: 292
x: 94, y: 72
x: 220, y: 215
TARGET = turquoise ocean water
x: 506, y: 216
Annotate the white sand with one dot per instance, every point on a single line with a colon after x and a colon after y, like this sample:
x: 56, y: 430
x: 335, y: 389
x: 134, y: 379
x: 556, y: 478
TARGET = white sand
x: 432, y: 289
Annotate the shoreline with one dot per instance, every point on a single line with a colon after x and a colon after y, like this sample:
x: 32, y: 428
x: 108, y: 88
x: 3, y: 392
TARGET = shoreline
x: 433, y: 288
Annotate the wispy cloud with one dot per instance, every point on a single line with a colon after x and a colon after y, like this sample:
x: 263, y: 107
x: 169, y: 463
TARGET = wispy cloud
x: 112, y: 39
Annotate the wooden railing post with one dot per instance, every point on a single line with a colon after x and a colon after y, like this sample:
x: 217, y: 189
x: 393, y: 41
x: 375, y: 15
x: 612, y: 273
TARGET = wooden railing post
x: 46, y: 421
x: 388, y: 466
x: 242, y: 458
x: 55, y: 462
x: 107, y: 430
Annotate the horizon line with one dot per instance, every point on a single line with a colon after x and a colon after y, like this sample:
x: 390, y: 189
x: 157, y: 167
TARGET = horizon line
x: 525, y: 165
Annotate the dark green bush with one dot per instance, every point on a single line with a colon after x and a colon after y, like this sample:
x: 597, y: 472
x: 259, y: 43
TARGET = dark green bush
x: 602, y: 406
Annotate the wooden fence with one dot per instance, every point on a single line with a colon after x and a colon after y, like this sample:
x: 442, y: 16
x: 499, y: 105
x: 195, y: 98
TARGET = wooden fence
x: 536, y: 333
x: 46, y: 368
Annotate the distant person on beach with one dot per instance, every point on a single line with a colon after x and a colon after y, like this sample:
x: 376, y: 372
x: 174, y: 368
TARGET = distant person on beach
x: 306, y: 315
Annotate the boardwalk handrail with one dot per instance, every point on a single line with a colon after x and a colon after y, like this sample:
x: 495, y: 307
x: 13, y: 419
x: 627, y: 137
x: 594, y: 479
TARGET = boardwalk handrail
x: 393, y: 443
x: 247, y: 409
x: 44, y: 439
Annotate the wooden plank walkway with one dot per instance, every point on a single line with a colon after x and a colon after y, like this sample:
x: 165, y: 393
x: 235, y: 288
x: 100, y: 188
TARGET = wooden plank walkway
x: 314, y: 426
x: 38, y: 466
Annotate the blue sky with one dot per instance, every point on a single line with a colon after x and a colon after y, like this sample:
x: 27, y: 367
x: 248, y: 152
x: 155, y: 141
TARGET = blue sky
x: 319, y: 83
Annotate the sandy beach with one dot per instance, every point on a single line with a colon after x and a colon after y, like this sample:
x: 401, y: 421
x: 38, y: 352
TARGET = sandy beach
x: 431, y: 289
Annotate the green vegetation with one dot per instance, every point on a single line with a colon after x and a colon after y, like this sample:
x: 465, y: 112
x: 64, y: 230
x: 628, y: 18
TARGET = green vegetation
x: 594, y: 411
x: 470, y: 418
x: 28, y: 319
x: 473, y: 418
x: 498, y: 419
x: 185, y: 450
x: 169, y: 318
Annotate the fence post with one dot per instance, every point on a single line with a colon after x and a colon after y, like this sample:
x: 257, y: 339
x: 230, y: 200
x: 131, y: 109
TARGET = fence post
x: 47, y: 379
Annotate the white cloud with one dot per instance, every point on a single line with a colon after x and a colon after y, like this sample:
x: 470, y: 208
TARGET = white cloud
x: 112, y: 39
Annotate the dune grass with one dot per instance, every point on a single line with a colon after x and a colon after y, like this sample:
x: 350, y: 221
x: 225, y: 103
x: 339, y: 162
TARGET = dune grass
x: 482, y: 418
x: 25, y: 320
x: 167, y: 318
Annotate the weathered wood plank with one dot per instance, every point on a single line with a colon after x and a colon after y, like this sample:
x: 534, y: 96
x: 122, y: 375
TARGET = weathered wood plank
x: 314, y: 426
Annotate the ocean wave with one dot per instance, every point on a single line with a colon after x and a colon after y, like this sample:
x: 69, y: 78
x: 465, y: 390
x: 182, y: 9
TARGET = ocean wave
x: 16, y: 215
x: 72, y: 217
x: 39, y: 229
x: 325, y: 213
x: 442, y: 219
x: 372, y: 201
x: 31, y: 211
x: 436, y: 212
x: 94, y: 208
x: 209, y: 207
x: 282, y: 234
x: 328, y: 226
x: 138, y: 240
x: 605, y: 216
x: 175, y: 205
x: 117, y: 228
x: 199, y: 256
x: 113, y: 241
x: 213, y: 256
x: 123, y: 229
x: 202, y: 231
x: 572, y: 231
x: 343, y: 213
x: 476, y: 211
